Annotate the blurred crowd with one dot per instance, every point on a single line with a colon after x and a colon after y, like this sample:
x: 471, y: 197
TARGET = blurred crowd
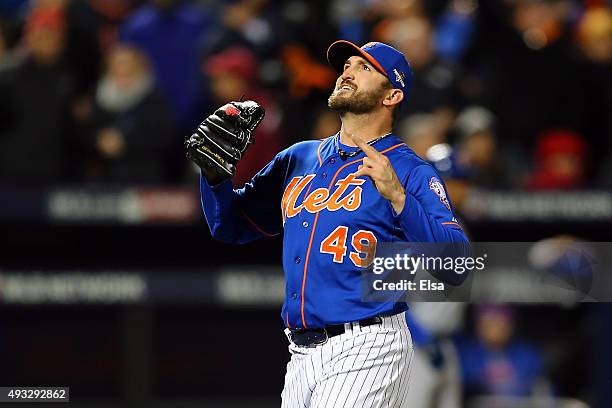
x: 507, y: 93
x: 493, y: 358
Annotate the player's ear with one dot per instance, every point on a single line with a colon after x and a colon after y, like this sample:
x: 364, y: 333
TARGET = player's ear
x: 394, y: 97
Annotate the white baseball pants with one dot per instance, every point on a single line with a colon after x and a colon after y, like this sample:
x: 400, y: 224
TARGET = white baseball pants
x: 364, y: 367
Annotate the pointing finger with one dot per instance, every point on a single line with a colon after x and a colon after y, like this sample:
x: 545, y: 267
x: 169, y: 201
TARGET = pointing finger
x: 366, y: 148
x: 355, y: 139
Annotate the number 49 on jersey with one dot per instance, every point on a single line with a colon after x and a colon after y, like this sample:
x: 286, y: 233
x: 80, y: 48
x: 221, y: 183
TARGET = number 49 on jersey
x: 363, y: 244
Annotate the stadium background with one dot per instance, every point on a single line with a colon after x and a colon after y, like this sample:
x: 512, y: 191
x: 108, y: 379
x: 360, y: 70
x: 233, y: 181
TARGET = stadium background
x: 109, y: 280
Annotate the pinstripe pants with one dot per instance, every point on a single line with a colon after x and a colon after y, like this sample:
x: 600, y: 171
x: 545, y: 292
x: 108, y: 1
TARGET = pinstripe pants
x: 364, y: 367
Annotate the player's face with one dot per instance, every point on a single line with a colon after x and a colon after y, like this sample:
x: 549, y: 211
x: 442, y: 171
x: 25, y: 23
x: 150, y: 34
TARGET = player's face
x: 360, y: 89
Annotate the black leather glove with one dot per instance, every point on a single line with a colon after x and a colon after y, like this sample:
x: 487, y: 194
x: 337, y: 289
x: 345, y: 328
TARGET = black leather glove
x: 221, y: 139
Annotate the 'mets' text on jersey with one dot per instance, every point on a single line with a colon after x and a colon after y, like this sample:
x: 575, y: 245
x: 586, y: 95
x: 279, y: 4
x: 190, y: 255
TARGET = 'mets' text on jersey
x: 332, y: 222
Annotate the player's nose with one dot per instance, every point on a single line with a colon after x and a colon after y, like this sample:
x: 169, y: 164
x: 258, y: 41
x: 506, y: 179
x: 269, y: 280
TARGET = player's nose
x: 348, y: 73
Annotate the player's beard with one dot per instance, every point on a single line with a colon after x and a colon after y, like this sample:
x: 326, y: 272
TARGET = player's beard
x: 357, y: 102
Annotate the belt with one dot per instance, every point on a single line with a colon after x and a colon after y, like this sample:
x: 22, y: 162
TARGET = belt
x: 315, y: 336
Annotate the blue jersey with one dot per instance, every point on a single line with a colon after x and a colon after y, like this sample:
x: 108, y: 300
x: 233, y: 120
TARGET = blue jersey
x: 328, y: 217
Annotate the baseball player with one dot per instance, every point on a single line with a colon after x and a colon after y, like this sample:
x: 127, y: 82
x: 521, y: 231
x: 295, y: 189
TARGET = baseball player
x: 334, y: 200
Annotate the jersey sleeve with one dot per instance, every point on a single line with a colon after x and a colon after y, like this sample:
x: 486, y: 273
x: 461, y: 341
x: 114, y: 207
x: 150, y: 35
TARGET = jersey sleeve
x: 428, y: 217
x: 242, y: 215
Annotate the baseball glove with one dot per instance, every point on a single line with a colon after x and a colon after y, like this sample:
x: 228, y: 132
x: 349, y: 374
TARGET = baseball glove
x: 222, y: 138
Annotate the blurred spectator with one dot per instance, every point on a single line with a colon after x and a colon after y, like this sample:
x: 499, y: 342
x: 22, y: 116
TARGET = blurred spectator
x: 478, y: 157
x: 565, y: 260
x: 171, y: 32
x: 595, y: 35
x: 106, y: 16
x: 444, y: 158
x: 424, y: 134
x: 495, y: 362
x: 348, y: 16
x: 512, y: 57
x: 420, y: 132
x: 310, y: 81
x: 356, y: 18
x: 455, y: 28
x: 432, y: 90
x: 474, y: 160
x: 85, y: 39
x: 130, y: 125
x: 37, y: 95
x: 560, y: 161
x: 243, y: 23
x: 290, y: 39
x: 436, y: 382
x: 82, y: 48
x: 520, y: 66
x: 305, y: 74
x: 594, y: 41
x: 10, y: 56
x: 233, y: 75
x: 396, y: 8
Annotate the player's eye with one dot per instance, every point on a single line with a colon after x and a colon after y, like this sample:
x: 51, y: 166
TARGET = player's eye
x: 366, y: 67
x: 346, y: 66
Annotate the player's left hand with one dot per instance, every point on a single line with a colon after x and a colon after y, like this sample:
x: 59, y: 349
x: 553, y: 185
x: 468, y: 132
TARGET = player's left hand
x: 378, y: 167
x: 222, y: 138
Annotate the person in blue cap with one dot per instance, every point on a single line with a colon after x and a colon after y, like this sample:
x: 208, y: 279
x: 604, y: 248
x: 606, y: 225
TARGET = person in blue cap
x: 335, y: 200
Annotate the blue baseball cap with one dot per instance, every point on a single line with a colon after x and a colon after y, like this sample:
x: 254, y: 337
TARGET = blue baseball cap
x: 387, y: 60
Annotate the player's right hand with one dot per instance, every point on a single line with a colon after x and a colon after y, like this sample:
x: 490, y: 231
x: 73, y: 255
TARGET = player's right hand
x: 378, y: 167
x: 222, y: 138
